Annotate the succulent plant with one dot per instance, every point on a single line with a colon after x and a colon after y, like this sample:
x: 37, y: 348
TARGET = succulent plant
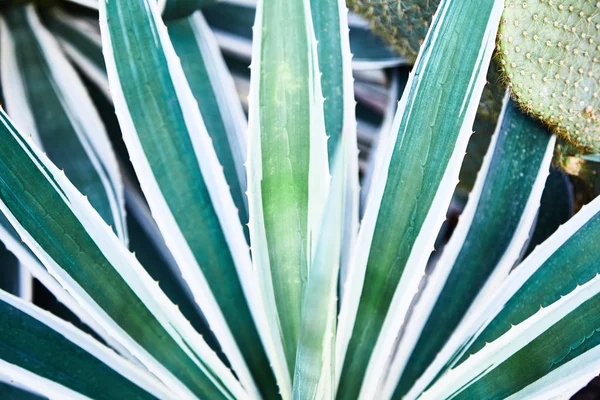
x: 252, y: 225
x: 402, y: 24
x: 549, y: 53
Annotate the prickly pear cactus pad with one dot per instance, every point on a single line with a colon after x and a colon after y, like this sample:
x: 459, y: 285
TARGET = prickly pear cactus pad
x: 402, y: 23
x: 550, y: 51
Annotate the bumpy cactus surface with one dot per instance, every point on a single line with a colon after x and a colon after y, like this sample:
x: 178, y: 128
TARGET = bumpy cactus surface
x: 403, y: 24
x: 549, y: 50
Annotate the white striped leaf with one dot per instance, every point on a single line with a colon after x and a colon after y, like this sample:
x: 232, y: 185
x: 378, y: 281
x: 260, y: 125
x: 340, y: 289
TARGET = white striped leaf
x: 414, y: 188
x: 176, y: 164
x: 170, y: 9
x: 232, y: 23
x: 549, y: 339
x: 287, y: 186
x: 88, y: 260
x: 45, y: 346
x: 330, y: 20
x: 213, y: 88
x: 80, y: 39
x: 487, y: 242
x: 314, y: 376
x: 553, y: 270
x: 46, y: 98
x: 29, y: 263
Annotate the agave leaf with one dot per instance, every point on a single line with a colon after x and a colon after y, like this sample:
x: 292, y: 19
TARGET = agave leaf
x: 287, y: 188
x: 232, y: 23
x: 33, y: 268
x: 487, y: 242
x: 314, y: 375
x: 546, y: 275
x: 556, y: 208
x: 170, y: 9
x: 399, y: 78
x: 88, y: 260
x: 565, y: 381
x: 176, y: 9
x: 45, y: 346
x: 214, y: 89
x: 150, y: 249
x: 553, y: 270
x: 420, y: 170
x: 9, y: 392
x: 184, y: 183
x: 536, y: 346
x: 330, y: 20
x: 80, y: 39
x: 45, y: 96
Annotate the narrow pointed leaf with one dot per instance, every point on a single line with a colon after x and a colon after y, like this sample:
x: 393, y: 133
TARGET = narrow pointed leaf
x: 180, y: 175
x: 48, y: 347
x: 566, y: 260
x: 178, y: 9
x: 314, y: 374
x: 88, y: 260
x: 232, y: 22
x: 488, y: 240
x: 80, y: 39
x: 44, y: 95
x: 553, y: 270
x: 537, y: 346
x: 30, y: 264
x: 420, y: 171
x: 330, y: 20
x: 288, y: 154
x: 213, y: 88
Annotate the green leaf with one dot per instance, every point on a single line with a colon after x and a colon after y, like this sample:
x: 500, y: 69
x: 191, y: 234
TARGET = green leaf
x: 176, y: 9
x: 553, y: 278
x: 44, y: 95
x: 9, y: 392
x: 330, y: 24
x: 232, y: 23
x: 287, y: 188
x: 420, y: 170
x: 314, y: 376
x: 37, y: 346
x: 81, y: 41
x: 31, y: 267
x: 565, y: 261
x: 214, y: 89
x: 149, y: 247
x: 490, y: 236
x: 554, y: 335
x: 184, y: 183
x: 88, y: 260
x: 556, y: 208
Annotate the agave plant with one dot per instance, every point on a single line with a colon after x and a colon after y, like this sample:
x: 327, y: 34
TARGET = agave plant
x: 285, y: 288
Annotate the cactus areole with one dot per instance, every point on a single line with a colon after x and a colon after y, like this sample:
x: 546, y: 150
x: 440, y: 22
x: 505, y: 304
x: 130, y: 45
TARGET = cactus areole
x: 550, y: 50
